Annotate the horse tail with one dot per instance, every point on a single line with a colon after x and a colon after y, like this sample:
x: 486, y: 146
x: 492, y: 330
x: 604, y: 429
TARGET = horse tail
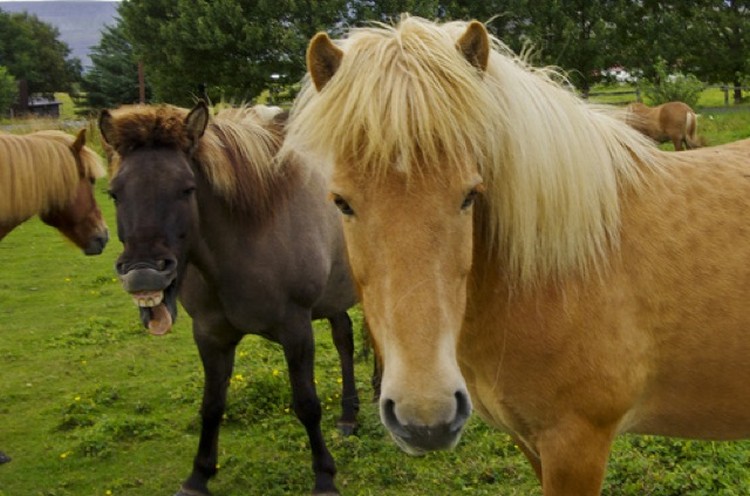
x: 691, y: 130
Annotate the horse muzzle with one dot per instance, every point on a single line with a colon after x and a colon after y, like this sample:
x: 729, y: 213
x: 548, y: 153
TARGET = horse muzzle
x: 96, y: 244
x: 416, y: 439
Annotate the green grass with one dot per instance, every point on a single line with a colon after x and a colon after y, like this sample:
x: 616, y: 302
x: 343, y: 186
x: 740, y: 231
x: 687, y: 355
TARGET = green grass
x: 90, y: 404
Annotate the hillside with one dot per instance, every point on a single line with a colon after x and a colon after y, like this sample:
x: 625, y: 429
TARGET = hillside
x: 79, y: 22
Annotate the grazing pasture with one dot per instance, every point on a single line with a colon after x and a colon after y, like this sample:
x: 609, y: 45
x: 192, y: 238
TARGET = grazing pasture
x: 91, y: 404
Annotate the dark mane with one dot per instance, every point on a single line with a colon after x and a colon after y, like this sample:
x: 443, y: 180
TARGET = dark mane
x: 236, y: 154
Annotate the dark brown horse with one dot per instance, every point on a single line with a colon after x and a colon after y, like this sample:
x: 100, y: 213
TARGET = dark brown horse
x: 249, y: 244
x: 52, y: 173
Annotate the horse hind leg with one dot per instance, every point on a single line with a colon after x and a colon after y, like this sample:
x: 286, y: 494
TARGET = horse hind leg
x: 297, y: 341
x: 343, y: 338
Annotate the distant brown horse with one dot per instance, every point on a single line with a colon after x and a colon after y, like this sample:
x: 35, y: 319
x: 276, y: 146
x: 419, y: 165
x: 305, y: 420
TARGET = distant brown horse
x: 672, y: 121
x: 524, y: 254
x: 52, y: 173
x: 250, y: 244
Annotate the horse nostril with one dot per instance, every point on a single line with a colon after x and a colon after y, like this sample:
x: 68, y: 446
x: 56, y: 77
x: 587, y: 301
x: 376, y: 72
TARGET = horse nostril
x: 388, y: 412
x: 166, y: 265
x: 120, y: 267
x: 463, y: 410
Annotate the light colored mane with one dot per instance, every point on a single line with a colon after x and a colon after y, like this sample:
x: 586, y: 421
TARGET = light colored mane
x: 38, y: 172
x: 236, y: 152
x: 405, y: 98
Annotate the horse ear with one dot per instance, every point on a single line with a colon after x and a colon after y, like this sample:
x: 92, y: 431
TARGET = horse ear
x: 106, y: 128
x: 323, y: 59
x: 474, y: 45
x: 80, y: 141
x: 196, y: 122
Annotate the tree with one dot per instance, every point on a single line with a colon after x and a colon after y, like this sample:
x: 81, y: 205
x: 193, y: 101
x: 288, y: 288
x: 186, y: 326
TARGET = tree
x: 113, y: 77
x: 31, y: 50
x: 8, y: 90
x: 229, y: 47
x: 720, y: 42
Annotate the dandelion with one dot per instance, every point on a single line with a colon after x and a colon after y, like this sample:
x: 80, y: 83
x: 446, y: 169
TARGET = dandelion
x: 108, y: 492
x: 64, y: 455
x: 238, y: 378
x: 276, y: 372
x: 339, y: 380
x: 68, y: 279
x: 77, y: 398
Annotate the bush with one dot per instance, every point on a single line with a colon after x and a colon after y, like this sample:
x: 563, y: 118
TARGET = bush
x: 672, y: 87
x: 8, y: 91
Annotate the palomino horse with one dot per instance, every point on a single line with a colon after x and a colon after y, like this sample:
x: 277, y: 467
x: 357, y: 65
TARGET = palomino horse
x: 520, y: 250
x: 672, y: 121
x: 250, y: 245
x: 52, y: 173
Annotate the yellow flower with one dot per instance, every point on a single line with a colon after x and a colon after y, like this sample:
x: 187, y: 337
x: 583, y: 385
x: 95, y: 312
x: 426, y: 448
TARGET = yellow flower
x: 77, y: 398
x: 107, y: 492
x: 276, y: 372
x: 63, y: 456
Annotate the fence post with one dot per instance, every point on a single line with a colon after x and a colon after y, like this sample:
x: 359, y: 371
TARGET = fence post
x: 638, y: 94
x: 725, y: 89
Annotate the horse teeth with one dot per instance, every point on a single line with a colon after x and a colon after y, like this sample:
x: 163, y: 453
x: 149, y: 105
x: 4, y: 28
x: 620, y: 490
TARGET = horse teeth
x: 148, y: 301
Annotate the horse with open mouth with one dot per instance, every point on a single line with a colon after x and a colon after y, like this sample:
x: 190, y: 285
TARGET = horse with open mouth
x: 248, y: 243
x: 525, y: 254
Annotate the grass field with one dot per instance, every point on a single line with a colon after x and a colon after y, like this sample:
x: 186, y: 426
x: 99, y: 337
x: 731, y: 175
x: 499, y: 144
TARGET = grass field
x: 90, y: 404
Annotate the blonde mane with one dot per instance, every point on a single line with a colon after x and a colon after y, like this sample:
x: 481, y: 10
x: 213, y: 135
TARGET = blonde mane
x: 236, y: 153
x: 38, y: 172
x: 404, y: 97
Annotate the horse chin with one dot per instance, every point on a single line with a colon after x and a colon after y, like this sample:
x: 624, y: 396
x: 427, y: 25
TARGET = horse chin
x: 426, y: 441
x: 158, y: 309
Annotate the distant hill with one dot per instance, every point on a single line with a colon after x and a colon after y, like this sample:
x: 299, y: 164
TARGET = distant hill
x: 80, y: 22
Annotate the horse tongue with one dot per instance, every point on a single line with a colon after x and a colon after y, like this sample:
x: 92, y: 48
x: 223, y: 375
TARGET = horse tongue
x: 161, y: 320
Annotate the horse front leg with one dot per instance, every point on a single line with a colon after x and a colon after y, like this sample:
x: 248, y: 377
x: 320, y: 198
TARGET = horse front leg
x: 218, y: 363
x: 343, y: 338
x: 574, y: 457
x: 299, y: 351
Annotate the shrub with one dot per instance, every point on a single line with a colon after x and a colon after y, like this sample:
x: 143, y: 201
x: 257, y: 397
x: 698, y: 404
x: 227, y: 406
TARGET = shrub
x: 672, y: 87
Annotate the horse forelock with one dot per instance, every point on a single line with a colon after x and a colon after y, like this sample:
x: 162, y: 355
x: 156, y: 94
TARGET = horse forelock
x: 236, y: 153
x: 404, y: 97
x: 38, y: 172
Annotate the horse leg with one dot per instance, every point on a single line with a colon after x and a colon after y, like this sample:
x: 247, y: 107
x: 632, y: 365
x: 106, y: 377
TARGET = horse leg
x: 218, y: 363
x: 574, y: 458
x: 343, y: 338
x: 299, y: 351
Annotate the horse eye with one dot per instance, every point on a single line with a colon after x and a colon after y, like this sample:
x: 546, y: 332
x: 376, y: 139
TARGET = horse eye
x: 470, y: 199
x: 342, y: 205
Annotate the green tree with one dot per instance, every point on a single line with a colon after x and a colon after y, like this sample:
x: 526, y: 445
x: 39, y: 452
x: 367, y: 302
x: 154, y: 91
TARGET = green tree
x: 31, y: 50
x: 229, y: 47
x: 719, y: 42
x: 8, y: 90
x: 113, y: 77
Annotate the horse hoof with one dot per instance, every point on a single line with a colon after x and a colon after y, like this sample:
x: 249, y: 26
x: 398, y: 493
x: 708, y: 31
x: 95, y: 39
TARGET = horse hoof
x: 347, y: 428
x: 186, y: 491
x: 4, y: 458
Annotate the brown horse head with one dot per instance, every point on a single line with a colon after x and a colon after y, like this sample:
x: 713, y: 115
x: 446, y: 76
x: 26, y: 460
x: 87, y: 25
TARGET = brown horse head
x: 80, y: 220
